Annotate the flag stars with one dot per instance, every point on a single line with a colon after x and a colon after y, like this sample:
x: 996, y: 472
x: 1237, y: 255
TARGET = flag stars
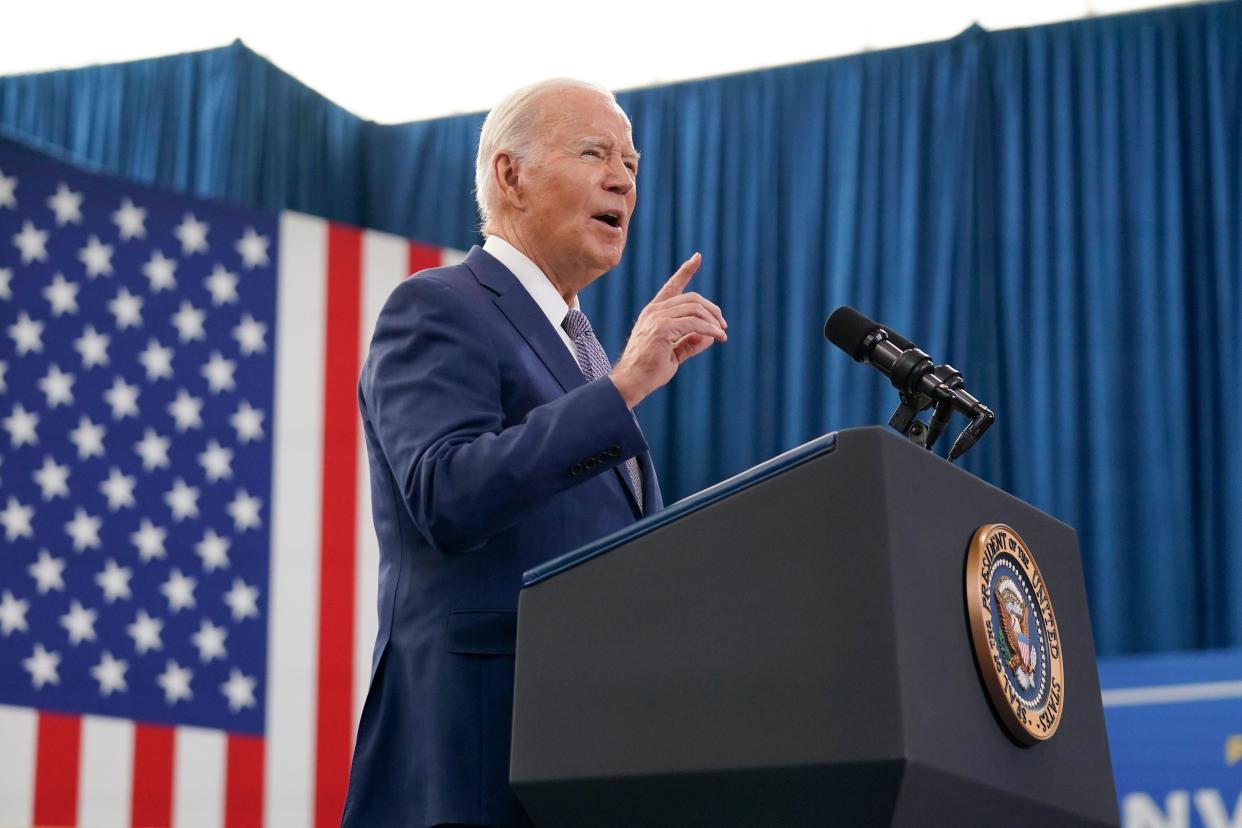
x: 217, y: 462
x: 114, y: 581
x: 179, y: 590
x: 210, y: 641
x: 248, y: 422
x: 250, y: 336
x: 219, y: 373
x: 16, y: 520
x: 150, y: 541
x: 43, y: 666
x: 48, y: 573
x: 160, y: 272
x: 57, y: 387
x: 192, y: 234
x: 130, y: 220
x: 239, y: 689
x: 127, y: 309
x: 93, y: 347
x: 222, y: 285
x: 110, y: 673
x: 96, y: 257
x: 88, y: 437
x: 66, y: 204
x: 213, y: 550
x: 32, y: 242
x: 175, y: 682
x: 123, y: 399
x: 12, y: 614
x: 61, y: 295
x: 27, y: 334
x: 186, y: 411
x: 8, y: 190
x: 153, y: 449
x: 243, y: 600
x: 188, y: 321
x: 6, y: 282
x: 253, y: 249
x: 79, y: 622
x: 146, y: 632
x: 182, y: 500
x: 244, y: 509
x: 84, y: 529
x: 22, y: 426
x: 157, y: 360
x: 53, y: 479
x: 119, y: 490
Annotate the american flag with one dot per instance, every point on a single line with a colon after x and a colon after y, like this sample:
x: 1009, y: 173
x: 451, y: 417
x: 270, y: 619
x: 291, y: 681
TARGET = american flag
x: 188, y: 574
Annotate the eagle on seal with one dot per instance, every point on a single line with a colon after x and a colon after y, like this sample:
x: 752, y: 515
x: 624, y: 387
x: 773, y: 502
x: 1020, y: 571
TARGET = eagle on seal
x: 1015, y: 625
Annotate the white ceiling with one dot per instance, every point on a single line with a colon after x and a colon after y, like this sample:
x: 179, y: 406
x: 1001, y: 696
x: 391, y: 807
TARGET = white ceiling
x: 402, y: 61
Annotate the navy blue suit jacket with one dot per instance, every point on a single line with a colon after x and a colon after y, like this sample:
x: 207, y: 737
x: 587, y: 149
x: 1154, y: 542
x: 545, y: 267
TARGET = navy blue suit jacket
x: 489, y: 454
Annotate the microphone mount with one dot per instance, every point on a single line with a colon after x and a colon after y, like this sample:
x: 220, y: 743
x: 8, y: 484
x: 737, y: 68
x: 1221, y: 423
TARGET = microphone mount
x: 920, y: 383
x: 948, y: 395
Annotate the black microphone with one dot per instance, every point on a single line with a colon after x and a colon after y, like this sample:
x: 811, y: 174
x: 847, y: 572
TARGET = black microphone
x: 911, y: 372
x: 871, y: 343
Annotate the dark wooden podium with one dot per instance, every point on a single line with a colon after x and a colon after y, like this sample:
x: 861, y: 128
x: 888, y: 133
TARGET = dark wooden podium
x: 791, y: 648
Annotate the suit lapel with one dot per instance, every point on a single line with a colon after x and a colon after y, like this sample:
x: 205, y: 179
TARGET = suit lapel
x: 522, y: 312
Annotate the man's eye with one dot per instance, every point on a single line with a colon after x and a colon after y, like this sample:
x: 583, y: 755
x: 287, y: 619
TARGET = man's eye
x: 632, y: 167
x: 593, y: 153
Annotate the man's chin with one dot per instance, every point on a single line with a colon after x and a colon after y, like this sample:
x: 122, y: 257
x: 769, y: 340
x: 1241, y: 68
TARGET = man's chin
x: 612, y: 255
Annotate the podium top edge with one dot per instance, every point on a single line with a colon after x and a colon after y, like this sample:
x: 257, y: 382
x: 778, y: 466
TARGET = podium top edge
x: 699, y: 500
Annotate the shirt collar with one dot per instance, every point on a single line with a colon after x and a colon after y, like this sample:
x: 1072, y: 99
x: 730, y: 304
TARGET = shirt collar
x: 540, y: 288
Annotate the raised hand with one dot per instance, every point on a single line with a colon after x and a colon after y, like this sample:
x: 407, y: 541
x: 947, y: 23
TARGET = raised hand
x: 673, y: 327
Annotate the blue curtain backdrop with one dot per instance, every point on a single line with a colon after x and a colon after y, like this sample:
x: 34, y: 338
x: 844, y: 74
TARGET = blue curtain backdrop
x: 1057, y: 211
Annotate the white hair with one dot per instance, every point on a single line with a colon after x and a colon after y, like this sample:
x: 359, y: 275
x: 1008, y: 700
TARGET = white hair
x: 510, y: 127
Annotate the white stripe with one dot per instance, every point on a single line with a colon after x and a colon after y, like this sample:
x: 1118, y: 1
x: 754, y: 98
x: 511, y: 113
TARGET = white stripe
x: 18, y: 732
x: 385, y: 259
x: 1172, y: 693
x: 298, y: 465
x: 198, y: 778
x: 106, y: 772
x: 449, y: 256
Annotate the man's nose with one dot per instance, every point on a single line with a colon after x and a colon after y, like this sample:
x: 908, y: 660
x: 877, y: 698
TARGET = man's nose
x: 620, y: 179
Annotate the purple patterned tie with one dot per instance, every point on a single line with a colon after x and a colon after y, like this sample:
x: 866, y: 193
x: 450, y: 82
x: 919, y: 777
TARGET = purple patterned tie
x: 594, y: 364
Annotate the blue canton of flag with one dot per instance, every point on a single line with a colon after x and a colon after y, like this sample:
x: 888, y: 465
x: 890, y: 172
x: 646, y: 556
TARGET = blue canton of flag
x: 136, y: 371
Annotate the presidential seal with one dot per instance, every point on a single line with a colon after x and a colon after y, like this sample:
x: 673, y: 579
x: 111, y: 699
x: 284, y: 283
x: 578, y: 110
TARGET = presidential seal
x: 1017, y: 644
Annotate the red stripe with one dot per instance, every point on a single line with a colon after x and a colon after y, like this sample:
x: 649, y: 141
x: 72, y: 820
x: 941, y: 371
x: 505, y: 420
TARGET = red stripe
x: 56, y: 769
x: 334, y: 725
x: 423, y: 257
x: 243, y: 782
x: 152, y: 786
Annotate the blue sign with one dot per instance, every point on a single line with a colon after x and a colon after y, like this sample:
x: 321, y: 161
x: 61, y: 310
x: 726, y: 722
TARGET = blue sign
x: 1175, y: 732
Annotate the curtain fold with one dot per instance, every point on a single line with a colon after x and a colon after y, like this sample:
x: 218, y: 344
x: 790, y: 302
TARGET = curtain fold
x: 1057, y: 211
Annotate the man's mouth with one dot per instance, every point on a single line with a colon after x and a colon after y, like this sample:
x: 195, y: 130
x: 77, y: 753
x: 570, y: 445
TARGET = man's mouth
x: 608, y: 217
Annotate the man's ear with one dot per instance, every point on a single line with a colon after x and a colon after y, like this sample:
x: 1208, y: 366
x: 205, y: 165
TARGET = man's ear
x: 507, y: 171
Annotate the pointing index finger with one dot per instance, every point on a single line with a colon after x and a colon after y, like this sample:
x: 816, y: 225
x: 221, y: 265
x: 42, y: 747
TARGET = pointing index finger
x: 678, y: 281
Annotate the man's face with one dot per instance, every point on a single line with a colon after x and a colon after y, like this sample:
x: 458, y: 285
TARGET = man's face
x: 580, y: 184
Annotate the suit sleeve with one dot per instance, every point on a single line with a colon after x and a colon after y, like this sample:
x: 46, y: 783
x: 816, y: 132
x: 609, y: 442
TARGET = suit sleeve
x: 431, y: 389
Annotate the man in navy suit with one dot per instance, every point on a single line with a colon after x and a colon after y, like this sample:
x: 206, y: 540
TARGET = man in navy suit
x: 499, y: 437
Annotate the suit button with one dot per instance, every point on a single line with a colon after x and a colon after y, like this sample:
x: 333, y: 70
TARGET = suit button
x: 602, y: 457
x: 590, y: 463
x: 575, y: 469
x: 614, y: 450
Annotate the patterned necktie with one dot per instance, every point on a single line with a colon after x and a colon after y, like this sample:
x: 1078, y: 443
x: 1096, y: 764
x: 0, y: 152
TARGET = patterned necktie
x: 594, y: 364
